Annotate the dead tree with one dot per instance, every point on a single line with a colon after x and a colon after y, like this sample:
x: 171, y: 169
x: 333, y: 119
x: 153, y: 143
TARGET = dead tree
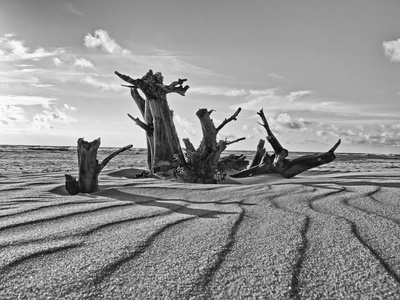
x: 162, y: 139
x: 205, y: 165
x: 89, y: 167
x: 278, y: 162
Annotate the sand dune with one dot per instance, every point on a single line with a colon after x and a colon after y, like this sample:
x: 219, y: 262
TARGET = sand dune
x: 325, y: 234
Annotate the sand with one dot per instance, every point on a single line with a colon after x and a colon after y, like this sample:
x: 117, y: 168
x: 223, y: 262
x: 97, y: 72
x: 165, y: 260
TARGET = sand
x: 329, y: 233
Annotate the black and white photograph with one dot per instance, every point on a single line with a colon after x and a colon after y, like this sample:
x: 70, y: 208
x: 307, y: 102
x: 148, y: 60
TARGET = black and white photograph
x: 185, y: 149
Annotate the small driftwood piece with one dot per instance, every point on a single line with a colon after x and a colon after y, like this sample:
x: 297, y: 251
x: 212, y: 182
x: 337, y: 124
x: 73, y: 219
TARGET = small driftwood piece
x: 204, y: 165
x: 89, y: 167
x: 278, y: 162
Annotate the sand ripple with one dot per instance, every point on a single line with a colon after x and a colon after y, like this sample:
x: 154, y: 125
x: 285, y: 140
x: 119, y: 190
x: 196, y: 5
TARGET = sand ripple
x: 331, y: 236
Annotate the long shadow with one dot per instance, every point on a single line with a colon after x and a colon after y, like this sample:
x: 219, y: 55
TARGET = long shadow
x: 158, y: 202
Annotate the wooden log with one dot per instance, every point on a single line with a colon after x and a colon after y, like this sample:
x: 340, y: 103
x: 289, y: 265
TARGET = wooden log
x: 89, y: 167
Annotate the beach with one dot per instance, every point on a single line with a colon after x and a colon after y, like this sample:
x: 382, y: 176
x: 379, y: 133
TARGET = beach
x: 329, y: 233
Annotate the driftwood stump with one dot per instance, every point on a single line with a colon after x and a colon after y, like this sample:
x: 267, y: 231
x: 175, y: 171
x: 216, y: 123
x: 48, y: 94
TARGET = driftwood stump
x: 89, y: 167
x: 264, y: 163
x: 205, y: 165
x: 162, y: 139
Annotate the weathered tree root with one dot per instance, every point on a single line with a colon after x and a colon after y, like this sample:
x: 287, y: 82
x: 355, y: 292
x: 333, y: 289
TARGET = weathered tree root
x: 278, y: 163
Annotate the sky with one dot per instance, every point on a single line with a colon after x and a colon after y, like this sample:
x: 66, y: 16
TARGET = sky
x: 320, y: 70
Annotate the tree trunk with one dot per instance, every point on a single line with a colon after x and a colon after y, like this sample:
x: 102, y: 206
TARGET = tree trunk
x: 278, y: 163
x: 164, y: 150
x: 89, y: 167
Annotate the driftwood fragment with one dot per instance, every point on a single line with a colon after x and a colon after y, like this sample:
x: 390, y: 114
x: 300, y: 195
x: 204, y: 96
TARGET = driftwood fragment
x: 89, y: 167
x: 278, y: 162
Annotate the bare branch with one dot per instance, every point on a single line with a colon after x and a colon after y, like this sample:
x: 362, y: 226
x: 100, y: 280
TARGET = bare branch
x: 265, y: 122
x: 135, y: 82
x: 143, y: 125
x: 226, y: 121
x: 112, y: 155
x: 176, y: 87
x: 235, y: 141
x: 335, y: 146
x: 271, y: 137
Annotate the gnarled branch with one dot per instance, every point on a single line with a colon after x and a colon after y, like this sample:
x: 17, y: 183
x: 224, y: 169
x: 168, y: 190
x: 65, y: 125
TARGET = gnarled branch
x: 112, y: 155
x: 271, y: 137
x: 142, y: 125
x: 176, y: 87
x: 234, y: 141
x: 226, y: 121
x: 134, y: 82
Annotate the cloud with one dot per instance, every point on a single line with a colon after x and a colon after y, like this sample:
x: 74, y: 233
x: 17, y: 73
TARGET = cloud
x: 70, y: 107
x: 103, y: 40
x: 306, y: 101
x: 58, y: 62
x: 103, y: 86
x: 47, y: 119
x: 70, y: 8
x: 83, y: 63
x: 12, y: 49
x: 226, y: 136
x: 10, y: 114
x: 276, y: 76
x: 188, y: 127
x: 286, y: 121
x: 26, y: 100
x: 41, y: 85
x: 392, y: 50
x: 218, y: 91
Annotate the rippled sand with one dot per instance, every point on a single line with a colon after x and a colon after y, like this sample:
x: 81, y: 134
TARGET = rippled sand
x: 331, y: 233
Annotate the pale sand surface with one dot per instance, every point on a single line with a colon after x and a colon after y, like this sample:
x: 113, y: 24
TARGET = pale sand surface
x: 332, y: 233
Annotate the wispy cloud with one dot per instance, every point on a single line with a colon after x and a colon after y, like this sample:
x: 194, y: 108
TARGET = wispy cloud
x: 376, y: 136
x: 48, y: 118
x: 276, y: 102
x: 102, y: 85
x: 392, y: 50
x: 38, y: 85
x: 187, y: 127
x: 217, y: 91
x: 13, y: 50
x: 276, y: 76
x: 70, y: 8
x: 10, y: 114
x: 102, y: 39
x: 58, y: 62
x: 26, y: 100
x: 83, y: 63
